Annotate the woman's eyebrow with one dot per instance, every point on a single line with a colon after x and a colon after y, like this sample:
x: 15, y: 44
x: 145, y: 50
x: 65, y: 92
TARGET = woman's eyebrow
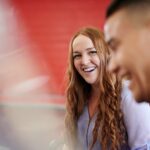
x: 90, y: 48
x: 76, y: 52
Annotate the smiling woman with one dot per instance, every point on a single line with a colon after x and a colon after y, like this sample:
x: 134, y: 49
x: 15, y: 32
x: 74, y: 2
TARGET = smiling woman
x: 93, y: 118
x: 85, y: 58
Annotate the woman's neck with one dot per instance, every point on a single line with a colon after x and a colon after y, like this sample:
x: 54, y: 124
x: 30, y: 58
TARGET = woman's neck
x: 93, y: 101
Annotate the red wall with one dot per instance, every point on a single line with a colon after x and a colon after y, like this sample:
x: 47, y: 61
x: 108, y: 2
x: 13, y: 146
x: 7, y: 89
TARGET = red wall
x: 49, y: 26
x: 51, y: 23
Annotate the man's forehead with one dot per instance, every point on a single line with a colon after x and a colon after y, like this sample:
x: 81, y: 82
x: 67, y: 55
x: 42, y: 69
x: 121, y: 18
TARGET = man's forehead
x: 115, y: 20
x: 115, y: 24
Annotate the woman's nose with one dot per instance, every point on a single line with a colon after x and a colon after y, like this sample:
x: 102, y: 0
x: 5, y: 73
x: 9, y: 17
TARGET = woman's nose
x: 85, y: 59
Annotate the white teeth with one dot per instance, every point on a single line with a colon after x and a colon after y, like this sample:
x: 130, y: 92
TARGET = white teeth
x: 89, y: 69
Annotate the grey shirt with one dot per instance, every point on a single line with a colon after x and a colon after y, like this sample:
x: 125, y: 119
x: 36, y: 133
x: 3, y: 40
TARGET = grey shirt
x: 84, y: 131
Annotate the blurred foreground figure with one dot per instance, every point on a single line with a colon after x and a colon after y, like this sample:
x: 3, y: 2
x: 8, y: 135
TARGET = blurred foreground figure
x: 20, y: 74
x: 127, y: 32
x: 23, y: 83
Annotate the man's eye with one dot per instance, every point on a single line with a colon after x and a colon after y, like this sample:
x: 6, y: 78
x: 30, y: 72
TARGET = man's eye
x: 113, y: 46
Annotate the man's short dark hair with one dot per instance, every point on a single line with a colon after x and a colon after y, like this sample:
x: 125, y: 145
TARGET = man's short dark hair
x: 121, y: 4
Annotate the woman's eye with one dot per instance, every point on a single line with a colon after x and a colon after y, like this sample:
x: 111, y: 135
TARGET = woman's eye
x: 76, y: 56
x: 93, y: 52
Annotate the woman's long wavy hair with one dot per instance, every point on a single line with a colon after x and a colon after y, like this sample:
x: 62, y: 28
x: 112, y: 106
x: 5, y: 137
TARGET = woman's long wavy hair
x: 109, y: 126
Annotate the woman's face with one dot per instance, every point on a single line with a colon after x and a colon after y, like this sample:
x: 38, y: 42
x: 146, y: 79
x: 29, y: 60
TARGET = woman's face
x: 85, y: 58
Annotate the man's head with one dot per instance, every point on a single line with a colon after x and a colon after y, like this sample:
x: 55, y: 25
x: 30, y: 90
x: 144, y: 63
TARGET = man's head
x: 127, y: 31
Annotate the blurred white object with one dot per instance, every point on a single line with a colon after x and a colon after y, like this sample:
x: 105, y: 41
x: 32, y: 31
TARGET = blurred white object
x: 26, y: 86
x: 65, y: 147
x: 58, y: 144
